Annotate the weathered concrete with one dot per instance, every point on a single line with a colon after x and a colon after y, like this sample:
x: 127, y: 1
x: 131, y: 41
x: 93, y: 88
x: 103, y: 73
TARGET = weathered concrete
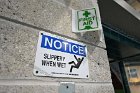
x: 20, y: 23
x: 53, y: 88
x: 18, y: 48
x: 52, y: 15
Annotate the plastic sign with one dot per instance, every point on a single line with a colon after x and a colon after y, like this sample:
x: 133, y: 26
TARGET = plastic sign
x: 60, y: 57
x: 86, y: 20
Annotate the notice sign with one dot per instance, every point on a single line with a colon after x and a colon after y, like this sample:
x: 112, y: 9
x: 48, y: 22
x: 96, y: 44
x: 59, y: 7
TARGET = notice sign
x: 60, y: 57
x: 86, y: 20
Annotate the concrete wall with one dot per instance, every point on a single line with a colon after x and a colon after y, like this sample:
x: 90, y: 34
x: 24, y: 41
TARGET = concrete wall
x: 20, y: 23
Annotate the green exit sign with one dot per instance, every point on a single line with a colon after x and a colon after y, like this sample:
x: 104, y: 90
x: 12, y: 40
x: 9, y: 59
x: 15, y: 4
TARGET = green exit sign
x: 86, y: 20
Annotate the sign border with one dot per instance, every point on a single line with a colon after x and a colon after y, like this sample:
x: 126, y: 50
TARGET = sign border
x: 37, y: 71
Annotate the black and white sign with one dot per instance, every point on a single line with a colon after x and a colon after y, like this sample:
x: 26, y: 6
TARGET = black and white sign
x: 60, y: 57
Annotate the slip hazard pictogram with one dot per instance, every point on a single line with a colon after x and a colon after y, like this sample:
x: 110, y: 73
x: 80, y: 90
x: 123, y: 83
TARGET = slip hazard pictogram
x: 77, y: 64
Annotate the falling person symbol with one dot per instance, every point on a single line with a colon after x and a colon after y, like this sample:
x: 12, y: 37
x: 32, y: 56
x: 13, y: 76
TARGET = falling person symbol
x: 79, y: 61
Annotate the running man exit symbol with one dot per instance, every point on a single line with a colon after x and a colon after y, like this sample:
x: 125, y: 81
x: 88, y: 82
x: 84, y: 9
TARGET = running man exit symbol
x: 79, y: 61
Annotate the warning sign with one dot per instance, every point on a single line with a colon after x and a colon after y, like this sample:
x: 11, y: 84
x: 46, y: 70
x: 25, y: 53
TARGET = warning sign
x: 60, y: 57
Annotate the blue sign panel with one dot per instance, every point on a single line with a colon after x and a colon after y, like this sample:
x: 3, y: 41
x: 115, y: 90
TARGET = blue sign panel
x: 56, y: 44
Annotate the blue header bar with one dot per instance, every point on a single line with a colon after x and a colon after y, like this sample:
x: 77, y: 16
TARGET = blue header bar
x: 62, y: 45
